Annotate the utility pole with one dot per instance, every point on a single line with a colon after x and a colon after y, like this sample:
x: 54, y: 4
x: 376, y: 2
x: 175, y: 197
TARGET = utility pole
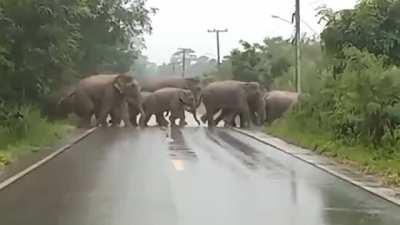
x: 184, y: 51
x: 298, y: 43
x: 183, y: 62
x: 218, y: 48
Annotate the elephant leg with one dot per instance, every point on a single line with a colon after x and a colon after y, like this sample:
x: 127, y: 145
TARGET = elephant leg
x: 84, y: 110
x: 97, y: 116
x: 166, y: 114
x: 203, y: 118
x: 172, y: 120
x: 210, y: 116
x: 104, y: 111
x: 125, y: 115
x: 116, y: 118
x: 177, y: 114
x: 182, y: 123
x: 194, y: 113
x: 229, y: 119
x: 224, y: 115
x: 133, y: 112
x: 144, y: 119
x: 161, y: 121
x: 133, y: 119
x: 245, y: 117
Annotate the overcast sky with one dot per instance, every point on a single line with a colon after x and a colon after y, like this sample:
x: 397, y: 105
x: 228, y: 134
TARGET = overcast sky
x: 184, y: 23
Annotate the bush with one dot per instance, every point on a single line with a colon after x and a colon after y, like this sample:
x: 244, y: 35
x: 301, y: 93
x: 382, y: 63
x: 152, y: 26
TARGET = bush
x: 23, y: 130
x: 362, y: 103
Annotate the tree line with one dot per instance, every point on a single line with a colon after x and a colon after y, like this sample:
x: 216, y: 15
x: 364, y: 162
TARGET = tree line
x: 45, y: 44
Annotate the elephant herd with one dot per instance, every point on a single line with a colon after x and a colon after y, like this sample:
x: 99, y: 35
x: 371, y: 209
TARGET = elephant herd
x: 122, y: 98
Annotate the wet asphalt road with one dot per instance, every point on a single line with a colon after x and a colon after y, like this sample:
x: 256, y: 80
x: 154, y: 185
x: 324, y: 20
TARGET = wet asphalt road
x: 126, y: 176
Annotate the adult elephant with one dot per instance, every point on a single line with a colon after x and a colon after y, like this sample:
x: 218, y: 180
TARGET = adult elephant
x: 278, y: 103
x: 235, y: 98
x: 256, y: 107
x: 175, y: 100
x: 101, y: 94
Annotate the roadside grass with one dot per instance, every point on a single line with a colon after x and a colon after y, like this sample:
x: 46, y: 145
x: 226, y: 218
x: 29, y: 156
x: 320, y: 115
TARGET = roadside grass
x: 35, y: 133
x: 383, y: 162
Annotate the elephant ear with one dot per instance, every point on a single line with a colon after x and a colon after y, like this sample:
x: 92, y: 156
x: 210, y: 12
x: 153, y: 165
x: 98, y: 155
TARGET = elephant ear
x: 121, y: 82
x: 181, y: 96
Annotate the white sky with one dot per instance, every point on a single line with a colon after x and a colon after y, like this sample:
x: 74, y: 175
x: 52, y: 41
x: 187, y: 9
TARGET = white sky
x: 184, y: 23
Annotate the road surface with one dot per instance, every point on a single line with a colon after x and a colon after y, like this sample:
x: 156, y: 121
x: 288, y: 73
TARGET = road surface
x: 196, y: 177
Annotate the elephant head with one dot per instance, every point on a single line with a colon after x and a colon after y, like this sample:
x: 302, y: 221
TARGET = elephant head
x: 255, y: 98
x: 193, y: 84
x: 130, y: 89
x: 189, y: 102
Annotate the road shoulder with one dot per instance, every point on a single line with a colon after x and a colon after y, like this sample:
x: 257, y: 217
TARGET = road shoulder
x: 29, y: 163
x: 369, y: 183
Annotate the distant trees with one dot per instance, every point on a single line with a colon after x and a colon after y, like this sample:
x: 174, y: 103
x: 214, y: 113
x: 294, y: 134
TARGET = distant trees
x: 194, y: 65
x: 261, y: 62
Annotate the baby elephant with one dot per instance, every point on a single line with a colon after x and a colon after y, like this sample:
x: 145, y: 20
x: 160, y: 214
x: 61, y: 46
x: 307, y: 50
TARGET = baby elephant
x: 175, y: 100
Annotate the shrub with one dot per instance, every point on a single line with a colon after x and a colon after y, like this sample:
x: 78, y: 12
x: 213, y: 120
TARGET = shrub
x: 22, y: 129
x: 361, y: 104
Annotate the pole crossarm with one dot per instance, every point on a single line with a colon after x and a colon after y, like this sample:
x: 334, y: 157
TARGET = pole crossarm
x: 217, y: 31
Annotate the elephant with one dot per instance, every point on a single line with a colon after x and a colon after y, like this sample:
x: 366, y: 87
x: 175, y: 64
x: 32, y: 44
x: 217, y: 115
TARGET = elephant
x: 175, y: 100
x: 233, y: 97
x: 192, y: 84
x: 257, y: 111
x: 50, y: 104
x: 277, y: 103
x: 102, y: 94
x: 134, y: 111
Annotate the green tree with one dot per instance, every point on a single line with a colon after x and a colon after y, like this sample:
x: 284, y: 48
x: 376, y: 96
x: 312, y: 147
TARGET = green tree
x: 47, y: 43
x: 262, y: 62
x: 372, y: 25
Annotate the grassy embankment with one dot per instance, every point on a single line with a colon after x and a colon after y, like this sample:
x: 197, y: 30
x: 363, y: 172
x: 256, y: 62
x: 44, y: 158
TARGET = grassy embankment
x: 31, y: 133
x: 367, y: 159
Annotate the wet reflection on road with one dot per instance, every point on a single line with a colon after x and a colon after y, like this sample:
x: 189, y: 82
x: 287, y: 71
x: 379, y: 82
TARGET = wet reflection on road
x: 179, y: 151
x: 193, y: 177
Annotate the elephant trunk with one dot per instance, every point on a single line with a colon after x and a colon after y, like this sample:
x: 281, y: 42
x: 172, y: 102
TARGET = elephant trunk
x: 195, y: 117
x: 198, y: 102
x: 194, y: 112
x: 142, y: 112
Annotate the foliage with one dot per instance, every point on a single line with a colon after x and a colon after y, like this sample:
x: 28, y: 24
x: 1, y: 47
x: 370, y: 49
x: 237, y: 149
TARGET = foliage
x: 305, y: 131
x: 26, y: 130
x: 312, y: 69
x: 372, y: 25
x: 361, y: 105
x: 261, y: 62
x: 143, y: 68
x: 46, y: 43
